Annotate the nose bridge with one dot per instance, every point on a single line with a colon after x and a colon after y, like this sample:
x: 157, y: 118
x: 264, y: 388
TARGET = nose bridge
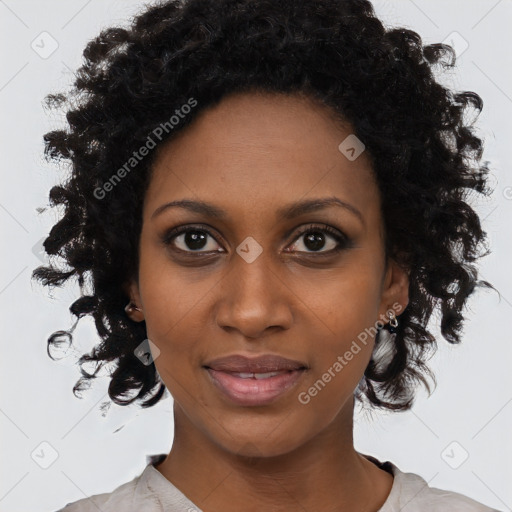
x: 253, y: 296
x: 251, y: 275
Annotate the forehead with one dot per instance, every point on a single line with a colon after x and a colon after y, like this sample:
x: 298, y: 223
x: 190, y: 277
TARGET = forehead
x: 252, y: 151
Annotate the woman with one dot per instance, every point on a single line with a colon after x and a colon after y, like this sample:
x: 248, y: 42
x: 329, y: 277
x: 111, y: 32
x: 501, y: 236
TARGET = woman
x: 268, y: 201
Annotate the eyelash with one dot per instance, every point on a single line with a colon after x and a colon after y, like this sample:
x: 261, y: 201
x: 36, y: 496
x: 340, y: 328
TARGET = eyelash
x: 343, y: 241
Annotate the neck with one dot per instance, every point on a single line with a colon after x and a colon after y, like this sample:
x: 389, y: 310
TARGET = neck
x: 325, y: 473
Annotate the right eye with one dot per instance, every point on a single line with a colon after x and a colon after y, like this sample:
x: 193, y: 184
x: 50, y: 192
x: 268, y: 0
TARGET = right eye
x: 190, y: 239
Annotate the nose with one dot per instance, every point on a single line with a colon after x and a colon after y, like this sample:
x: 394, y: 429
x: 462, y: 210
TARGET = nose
x: 253, y: 298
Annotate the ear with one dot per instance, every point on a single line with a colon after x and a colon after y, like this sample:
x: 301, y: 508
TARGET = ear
x: 131, y: 288
x: 395, y: 290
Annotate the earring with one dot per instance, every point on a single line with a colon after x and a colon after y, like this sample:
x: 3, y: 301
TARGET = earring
x: 393, y: 322
x: 130, y: 307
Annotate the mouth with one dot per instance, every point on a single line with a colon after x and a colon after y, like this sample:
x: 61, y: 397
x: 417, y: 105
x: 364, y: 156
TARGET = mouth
x: 254, y: 388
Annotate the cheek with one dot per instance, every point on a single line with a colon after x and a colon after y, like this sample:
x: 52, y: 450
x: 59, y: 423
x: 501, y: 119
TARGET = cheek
x: 172, y: 307
x: 172, y: 296
x: 342, y: 312
x: 337, y: 365
x: 343, y: 303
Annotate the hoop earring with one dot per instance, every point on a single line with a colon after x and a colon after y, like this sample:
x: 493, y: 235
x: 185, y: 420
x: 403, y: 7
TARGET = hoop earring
x: 393, y: 322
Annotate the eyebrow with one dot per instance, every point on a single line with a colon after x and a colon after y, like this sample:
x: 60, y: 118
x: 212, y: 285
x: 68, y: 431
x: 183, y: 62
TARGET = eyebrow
x: 287, y: 212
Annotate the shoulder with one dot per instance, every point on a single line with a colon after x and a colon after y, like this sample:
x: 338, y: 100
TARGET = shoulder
x: 413, y: 494
x: 150, y: 491
x: 106, y: 502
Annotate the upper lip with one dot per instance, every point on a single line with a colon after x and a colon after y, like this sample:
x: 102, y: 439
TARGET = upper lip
x: 260, y: 364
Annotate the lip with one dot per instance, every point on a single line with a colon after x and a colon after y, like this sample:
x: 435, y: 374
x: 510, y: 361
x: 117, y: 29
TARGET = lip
x: 260, y: 364
x: 251, y: 391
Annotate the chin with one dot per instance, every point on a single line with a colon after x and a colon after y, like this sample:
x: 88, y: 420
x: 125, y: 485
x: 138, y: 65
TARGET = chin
x: 261, y: 443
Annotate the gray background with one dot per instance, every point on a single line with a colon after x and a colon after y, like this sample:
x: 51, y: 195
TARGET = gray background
x: 469, y: 414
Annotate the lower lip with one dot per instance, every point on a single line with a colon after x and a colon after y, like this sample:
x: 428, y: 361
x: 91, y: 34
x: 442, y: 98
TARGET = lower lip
x: 253, y: 391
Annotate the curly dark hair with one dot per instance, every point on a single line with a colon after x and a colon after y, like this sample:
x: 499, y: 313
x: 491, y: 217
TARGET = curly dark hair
x: 425, y: 159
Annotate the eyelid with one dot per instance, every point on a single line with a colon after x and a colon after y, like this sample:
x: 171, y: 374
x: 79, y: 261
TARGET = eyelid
x: 179, y: 230
x: 341, y: 238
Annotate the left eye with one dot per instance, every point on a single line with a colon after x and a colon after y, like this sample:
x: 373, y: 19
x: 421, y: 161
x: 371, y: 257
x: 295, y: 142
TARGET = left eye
x: 314, y: 239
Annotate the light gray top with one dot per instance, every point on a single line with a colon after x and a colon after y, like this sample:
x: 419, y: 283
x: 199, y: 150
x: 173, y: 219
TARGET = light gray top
x: 152, y: 492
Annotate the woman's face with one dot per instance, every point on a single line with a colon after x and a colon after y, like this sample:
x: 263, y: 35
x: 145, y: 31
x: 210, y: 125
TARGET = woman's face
x: 250, y: 282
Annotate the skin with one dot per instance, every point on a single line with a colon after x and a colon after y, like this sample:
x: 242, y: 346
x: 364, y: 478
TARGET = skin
x: 250, y: 155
